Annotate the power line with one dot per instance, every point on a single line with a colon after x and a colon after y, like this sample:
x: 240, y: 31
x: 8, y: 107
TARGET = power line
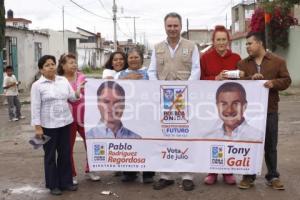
x: 119, y: 28
x: 222, y: 11
x: 55, y: 4
x: 68, y: 13
x: 102, y: 4
x: 89, y: 11
x: 134, y: 28
x: 128, y: 28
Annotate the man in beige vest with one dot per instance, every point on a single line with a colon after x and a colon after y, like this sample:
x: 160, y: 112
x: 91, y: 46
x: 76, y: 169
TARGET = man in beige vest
x: 174, y: 59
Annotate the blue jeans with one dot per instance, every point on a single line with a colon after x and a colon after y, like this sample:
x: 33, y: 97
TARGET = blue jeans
x: 270, y: 147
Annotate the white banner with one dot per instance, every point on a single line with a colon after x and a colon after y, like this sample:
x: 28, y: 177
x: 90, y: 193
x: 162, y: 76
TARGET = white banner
x: 175, y: 126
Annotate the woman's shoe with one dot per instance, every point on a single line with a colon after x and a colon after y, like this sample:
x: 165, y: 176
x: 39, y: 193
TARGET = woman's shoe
x: 56, y: 192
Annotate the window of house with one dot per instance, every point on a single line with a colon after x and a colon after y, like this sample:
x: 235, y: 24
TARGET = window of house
x: 5, y: 56
x: 236, y: 14
x: 37, y: 51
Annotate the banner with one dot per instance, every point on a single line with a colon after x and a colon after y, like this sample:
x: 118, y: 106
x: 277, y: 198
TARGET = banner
x: 175, y: 126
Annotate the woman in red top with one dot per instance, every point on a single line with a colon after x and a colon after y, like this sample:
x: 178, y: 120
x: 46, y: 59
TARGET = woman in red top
x: 219, y: 58
x: 214, y: 63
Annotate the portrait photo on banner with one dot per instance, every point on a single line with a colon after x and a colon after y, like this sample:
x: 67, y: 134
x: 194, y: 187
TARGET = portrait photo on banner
x: 230, y: 110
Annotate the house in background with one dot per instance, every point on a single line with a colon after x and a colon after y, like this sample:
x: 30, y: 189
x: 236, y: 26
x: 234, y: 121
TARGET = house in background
x: 241, y: 18
x: 23, y: 48
x: 16, y: 22
x: 125, y: 45
x: 62, y: 42
x: 202, y: 37
x: 90, y: 49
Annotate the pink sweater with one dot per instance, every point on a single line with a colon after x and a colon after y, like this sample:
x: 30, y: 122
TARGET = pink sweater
x: 77, y: 107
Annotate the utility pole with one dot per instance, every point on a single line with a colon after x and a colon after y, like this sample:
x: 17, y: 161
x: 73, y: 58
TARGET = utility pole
x: 114, y: 9
x: 144, y: 39
x: 134, y: 32
x: 226, y: 21
x: 63, y: 20
x: 187, y: 29
x: 2, y: 40
x: 134, y: 27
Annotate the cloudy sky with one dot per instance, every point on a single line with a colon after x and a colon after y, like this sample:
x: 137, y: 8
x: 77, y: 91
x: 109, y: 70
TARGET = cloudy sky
x: 149, y: 15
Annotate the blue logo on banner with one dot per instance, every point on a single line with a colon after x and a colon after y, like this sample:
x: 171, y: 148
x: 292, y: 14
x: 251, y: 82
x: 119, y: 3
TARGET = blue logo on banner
x: 99, y: 152
x: 217, y: 155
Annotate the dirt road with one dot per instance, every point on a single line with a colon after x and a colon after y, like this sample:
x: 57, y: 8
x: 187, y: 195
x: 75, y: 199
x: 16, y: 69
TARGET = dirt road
x: 21, y: 167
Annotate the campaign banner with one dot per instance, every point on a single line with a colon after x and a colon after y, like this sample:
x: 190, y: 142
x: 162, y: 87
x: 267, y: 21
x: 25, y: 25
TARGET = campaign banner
x: 175, y: 126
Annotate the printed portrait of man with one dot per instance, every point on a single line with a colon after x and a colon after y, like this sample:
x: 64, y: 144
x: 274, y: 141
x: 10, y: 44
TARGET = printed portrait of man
x: 111, y: 105
x: 168, y: 95
x: 231, y: 104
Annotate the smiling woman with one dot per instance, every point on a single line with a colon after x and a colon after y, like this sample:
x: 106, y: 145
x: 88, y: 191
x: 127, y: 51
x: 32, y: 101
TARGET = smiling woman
x: 115, y: 63
x: 135, y: 70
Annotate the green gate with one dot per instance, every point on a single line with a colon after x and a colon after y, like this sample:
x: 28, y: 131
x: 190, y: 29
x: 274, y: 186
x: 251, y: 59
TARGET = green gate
x: 9, y: 56
x: 1, y: 71
x: 13, y: 51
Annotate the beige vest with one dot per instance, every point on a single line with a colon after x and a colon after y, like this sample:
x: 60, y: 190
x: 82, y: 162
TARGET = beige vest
x: 177, y: 68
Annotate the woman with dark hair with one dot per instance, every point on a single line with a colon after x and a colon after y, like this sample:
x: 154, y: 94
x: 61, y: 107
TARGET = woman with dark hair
x: 215, y: 65
x: 115, y: 63
x: 135, y: 70
x: 51, y: 116
x: 67, y: 67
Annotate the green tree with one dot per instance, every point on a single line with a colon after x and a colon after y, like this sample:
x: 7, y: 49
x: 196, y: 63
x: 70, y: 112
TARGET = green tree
x: 279, y: 23
x: 2, y: 24
x: 2, y: 40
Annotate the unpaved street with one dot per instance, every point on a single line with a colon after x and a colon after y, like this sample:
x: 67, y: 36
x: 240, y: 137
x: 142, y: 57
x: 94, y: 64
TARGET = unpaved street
x: 21, y: 167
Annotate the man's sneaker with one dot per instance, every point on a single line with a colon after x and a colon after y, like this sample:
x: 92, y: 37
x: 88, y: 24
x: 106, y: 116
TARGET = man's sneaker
x: 22, y: 117
x: 162, y: 183
x: 188, y: 185
x: 246, y: 183
x: 229, y: 179
x: 75, y: 181
x: 211, y: 179
x: 276, y: 184
x: 14, y: 119
x: 93, y: 176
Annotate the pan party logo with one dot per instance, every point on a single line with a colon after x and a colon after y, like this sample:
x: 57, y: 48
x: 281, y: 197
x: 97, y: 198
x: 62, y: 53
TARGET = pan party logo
x: 99, y: 152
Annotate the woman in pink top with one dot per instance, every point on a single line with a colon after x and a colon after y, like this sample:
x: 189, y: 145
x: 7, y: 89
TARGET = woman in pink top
x: 67, y: 67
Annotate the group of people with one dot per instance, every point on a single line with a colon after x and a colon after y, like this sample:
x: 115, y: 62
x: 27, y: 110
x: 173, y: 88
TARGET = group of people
x: 57, y: 110
x: 172, y: 59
